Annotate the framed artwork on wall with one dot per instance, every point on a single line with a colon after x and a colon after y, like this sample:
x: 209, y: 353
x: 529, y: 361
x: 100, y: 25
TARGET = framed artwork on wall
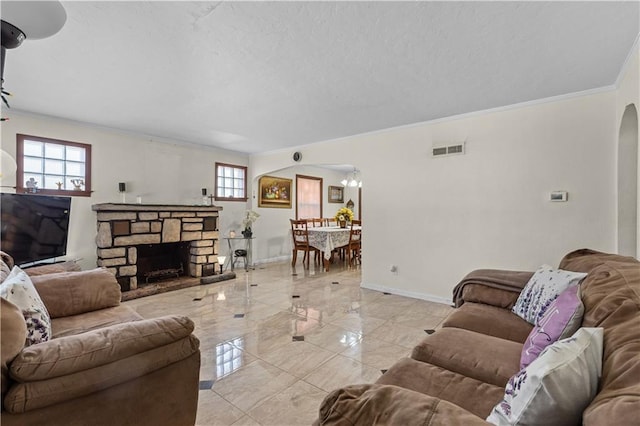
x: 275, y: 192
x: 336, y: 194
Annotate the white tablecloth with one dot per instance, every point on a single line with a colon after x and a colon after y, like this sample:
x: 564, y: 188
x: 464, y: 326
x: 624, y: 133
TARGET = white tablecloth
x: 327, y: 238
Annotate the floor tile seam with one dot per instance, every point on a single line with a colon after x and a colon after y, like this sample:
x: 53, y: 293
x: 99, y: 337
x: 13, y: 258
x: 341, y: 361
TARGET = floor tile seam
x: 261, y: 400
x: 319, y: 366
x: 281, y: 392
x: 228, y: 402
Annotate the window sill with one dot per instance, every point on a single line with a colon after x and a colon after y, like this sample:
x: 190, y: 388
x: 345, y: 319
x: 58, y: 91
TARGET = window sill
x: 62, y: 192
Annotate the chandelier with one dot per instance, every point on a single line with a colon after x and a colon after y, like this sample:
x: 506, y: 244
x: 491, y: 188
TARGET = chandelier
x: 352, y: 179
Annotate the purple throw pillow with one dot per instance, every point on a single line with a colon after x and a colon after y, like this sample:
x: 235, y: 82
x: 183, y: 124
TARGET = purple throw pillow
x: 561, y: 319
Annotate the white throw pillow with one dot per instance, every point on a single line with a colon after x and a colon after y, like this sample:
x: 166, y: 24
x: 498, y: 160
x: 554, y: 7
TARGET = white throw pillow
x: 19, y: 290
x: 544, y: 287
x: 557, y: 386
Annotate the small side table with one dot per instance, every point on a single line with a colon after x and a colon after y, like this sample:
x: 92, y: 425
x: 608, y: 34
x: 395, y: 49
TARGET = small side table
x: 248, y: 243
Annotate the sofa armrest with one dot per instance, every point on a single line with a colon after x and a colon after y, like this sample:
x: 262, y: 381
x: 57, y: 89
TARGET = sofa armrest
x: 72, y: 293
x: 374, y: 404
x: 495, y: 287
x: 71, y: 354
x: 70, y: 367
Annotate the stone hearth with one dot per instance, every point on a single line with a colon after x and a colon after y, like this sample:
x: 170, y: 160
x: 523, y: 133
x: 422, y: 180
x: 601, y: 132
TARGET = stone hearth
x: 123, y: 227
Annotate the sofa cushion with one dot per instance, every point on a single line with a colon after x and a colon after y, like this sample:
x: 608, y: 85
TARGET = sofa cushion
x: 473, y: 395
x: 385, y: 405
x: 13, y: 332
x: 560, y: 320
x: 81, y: 323
x: 549, y: 391
x: 544, y: 287
x: 72, y: 293
x: 19, y: 290
x: 491, y: 320
x: 481, y: 357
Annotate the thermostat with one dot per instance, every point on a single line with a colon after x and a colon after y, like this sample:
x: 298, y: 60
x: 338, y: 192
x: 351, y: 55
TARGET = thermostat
x: 558, y: 196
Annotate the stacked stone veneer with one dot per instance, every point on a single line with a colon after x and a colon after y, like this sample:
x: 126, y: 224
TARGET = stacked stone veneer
x: 121, y: 227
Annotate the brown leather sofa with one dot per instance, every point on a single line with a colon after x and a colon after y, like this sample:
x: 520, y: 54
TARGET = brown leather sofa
x: 104, y: 365
x: 458, y: 374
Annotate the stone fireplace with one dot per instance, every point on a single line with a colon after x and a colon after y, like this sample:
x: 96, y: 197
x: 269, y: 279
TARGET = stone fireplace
x: 139, y: 242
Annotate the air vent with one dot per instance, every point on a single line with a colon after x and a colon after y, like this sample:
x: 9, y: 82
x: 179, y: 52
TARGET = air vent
x: 443, y: 151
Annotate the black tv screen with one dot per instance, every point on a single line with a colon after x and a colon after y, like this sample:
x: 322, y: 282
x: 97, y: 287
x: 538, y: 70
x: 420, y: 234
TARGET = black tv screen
x: 34, y: 227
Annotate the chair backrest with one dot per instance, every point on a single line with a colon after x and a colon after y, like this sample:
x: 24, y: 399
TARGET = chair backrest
x: 355, y: 234
x: 330, y: 221
x: 299, y: 231
x: 315, y: 222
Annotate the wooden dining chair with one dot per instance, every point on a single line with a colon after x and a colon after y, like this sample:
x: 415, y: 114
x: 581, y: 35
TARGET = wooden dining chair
x: 300, y: 235
x: 354, y: 247
x: 316, y: 222
x: 330, y: 221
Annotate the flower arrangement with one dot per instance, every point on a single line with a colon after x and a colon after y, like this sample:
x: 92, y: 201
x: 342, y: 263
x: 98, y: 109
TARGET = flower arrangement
x: 249, y: 217
x: 344, y: 214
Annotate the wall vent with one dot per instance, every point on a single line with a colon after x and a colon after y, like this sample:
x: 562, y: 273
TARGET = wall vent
x: 443, y: 151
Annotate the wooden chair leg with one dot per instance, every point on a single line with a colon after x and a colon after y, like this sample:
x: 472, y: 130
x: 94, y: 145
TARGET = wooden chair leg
x: 295, y: 257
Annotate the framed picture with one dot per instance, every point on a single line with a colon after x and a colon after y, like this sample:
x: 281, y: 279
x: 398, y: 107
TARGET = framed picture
x: 336, y: 194
x: 275, y: 192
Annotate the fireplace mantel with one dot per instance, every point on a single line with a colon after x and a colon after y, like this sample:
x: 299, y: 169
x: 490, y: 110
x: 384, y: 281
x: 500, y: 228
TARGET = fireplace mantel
x: 117, y: 207
x: 123, y: 227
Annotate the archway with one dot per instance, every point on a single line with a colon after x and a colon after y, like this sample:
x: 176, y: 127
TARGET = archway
x: 628, y: 182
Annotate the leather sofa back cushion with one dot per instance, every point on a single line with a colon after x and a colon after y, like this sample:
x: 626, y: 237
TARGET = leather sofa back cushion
x: 53, y: 268
x: 72, y: 293
x: 485, y: 358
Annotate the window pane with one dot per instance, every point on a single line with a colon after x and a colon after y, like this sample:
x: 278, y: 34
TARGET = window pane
x: 33, y: 165
x: 238, y: 193
x: 239, y: 173
x: 53, y: 167
x: 308, y: 193
x: 75, y: 153
x: 76, y: 169
x: 54, y: 151
x: 50, y: 181
x: 228, y: 182
x: 33, y: 148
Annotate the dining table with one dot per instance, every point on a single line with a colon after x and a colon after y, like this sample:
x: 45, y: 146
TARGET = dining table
x: 328, y: 238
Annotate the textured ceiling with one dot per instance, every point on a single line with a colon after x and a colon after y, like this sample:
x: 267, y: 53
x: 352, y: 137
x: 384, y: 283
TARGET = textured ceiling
x: 261, y: 76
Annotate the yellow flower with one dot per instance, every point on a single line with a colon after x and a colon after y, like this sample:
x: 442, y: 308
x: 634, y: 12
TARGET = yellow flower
x: 344, y: 214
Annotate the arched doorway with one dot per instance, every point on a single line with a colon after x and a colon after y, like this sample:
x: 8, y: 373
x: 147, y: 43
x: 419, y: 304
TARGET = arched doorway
x: 628, y: 182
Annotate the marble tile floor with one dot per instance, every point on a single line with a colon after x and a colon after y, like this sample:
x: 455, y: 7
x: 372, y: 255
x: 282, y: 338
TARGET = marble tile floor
x: 276, y: 340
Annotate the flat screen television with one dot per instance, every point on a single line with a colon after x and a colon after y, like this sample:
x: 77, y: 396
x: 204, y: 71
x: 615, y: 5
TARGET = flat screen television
x: 34, y: 227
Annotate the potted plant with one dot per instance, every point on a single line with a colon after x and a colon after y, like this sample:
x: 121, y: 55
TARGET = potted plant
x: 248, y: 220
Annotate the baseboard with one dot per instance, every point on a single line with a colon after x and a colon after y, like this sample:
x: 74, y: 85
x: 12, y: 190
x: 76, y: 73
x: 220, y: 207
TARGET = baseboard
x: 412, y: 294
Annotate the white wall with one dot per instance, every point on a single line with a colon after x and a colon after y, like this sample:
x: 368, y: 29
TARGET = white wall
x: 438, y: 219
x: 629, y: 93
x: 160, y: 171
